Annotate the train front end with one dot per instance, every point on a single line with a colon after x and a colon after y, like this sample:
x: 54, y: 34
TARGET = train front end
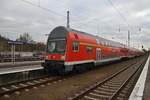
x: 56, y: 50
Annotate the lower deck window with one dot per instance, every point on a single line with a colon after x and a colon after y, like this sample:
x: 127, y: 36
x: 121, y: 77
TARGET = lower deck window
x: 103, y: 56
x: 89, y: 49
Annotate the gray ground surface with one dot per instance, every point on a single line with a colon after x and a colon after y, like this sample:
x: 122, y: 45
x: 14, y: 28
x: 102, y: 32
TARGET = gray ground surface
x: 64, y: 89
x: 147, y: 86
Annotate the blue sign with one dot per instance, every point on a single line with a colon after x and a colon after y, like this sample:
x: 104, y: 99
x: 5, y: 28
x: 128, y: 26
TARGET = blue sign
x: 15, y: 42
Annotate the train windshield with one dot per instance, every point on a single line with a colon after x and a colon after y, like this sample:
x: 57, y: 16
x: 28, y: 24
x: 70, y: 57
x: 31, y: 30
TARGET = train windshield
x: 56, y: 46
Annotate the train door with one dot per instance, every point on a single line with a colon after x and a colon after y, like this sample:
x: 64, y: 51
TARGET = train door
x: 98, y: 54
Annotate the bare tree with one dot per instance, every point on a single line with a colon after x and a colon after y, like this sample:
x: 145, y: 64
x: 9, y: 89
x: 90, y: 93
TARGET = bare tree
x: 25, y: 38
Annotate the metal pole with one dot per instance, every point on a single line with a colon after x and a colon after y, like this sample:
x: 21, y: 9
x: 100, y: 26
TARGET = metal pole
x: 12, y: 53
x: 68, y: 20
x: 140, y: 40
x: 128, y: 38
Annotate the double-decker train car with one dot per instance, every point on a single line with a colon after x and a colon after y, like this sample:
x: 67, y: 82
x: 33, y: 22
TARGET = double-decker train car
x: 69, y: 49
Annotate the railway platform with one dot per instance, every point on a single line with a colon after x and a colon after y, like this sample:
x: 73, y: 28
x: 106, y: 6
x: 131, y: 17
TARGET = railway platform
x: 9, y: 67
x: 17, y: 64
x: 11, y: 70
x: 146, y: 95
x: 142, y: 88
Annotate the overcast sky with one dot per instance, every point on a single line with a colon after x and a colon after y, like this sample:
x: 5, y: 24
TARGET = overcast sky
x: 100, y: 17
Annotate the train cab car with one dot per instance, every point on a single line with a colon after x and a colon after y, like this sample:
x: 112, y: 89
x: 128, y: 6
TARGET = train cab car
x: 56, y: 49
x: 66, y: 49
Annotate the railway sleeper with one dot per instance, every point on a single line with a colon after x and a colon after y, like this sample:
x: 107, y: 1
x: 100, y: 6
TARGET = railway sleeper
x: 103, y: 92
x: 126, y: 88
x: 122, y: 95
x: 5, y: 89
x: 30, y: 83
x: 88, y: 98
x: 14, y: 86
x: 111, y: 83
x: 109, y: 87
x: 119, y: 79
x: 23, y: 85
x: 124, y: 91
x: 98, y: 96
x: 42, y: 80
x: 106, y: 89
x: 116, y: 81
x: 37, y: 81
x: 121, y: 98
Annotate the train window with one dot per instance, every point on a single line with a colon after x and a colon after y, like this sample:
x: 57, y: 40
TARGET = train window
x: 56, y: 46
x: 103, y: 56
x: 75, y: 46
x: 89, y: 49
x: 106, y: 56
x: 51, y: 46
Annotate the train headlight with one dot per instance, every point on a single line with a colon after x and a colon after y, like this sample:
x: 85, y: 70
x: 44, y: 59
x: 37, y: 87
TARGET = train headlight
x: 46, y: 57
x: 62, y: 57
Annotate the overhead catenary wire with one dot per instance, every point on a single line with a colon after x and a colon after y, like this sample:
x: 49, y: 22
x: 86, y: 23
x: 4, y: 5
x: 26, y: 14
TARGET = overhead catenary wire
x: 46, y: 9
x: 55, y: 13
x: 61, y: 15
x: 123, y: 17
x: 79, y: 24
x: 118, y: 11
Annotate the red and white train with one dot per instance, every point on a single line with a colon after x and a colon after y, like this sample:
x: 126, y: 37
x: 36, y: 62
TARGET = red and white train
x: 67, y: 49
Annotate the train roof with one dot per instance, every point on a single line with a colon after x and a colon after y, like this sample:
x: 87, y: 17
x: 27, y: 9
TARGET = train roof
x: 98, y: 39
x: 65, y: 30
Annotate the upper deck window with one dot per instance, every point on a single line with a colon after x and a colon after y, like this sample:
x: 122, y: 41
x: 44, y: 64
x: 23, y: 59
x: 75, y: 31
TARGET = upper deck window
x: 75, y: 46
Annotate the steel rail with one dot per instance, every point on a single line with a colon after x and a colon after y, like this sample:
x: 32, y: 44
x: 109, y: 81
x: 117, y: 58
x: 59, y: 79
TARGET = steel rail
x: 28, y: 86
x: 91, y: 88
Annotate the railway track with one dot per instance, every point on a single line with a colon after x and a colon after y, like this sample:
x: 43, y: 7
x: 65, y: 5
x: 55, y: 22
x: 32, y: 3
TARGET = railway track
x: 17, y: 87
x: 116, y: 87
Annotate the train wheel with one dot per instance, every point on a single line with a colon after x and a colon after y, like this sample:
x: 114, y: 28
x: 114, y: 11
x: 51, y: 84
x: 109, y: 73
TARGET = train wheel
x: 61, y: 71
x: 79, y: 68
x: 48, y: 71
